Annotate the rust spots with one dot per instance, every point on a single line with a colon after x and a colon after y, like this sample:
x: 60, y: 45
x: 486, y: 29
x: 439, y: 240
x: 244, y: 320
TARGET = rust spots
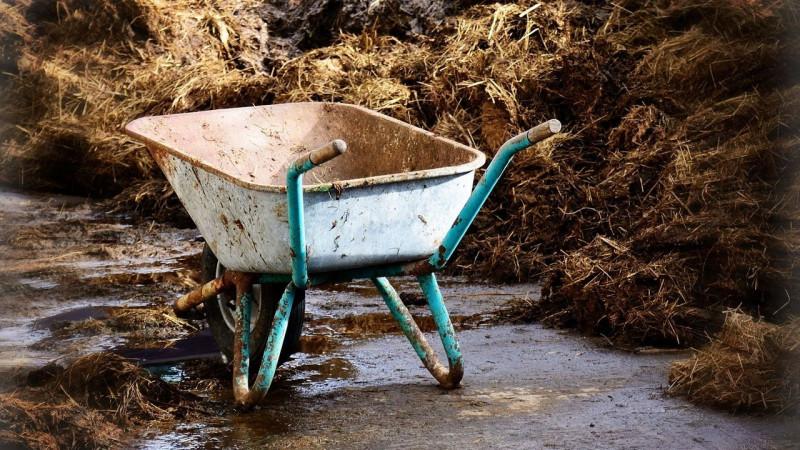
x: 228, y: 280
x: 241, y: 389
x: 161, y: 158
x: 338, y: 189
x: 281, y: 210
x: 422, y: 267
x: 239, y: 224
x: 224, y: 220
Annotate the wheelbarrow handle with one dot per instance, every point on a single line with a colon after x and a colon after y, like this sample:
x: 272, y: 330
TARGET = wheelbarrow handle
x: 543, y: 131
x: 485, y: 186
x: 319, y: 156
x: 294, y: 200
x: 526, y: 139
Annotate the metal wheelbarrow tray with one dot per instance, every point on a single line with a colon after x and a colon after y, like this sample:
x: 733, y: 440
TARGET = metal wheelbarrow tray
x: 308, y: 193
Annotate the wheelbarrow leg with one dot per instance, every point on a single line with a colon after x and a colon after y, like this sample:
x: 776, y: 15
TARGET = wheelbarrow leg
x: 245, y: 395
x: 447, y: 378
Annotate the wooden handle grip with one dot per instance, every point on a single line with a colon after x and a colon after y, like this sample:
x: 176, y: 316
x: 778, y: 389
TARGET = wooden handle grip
x: 328, y: 151
x: 543, y: 131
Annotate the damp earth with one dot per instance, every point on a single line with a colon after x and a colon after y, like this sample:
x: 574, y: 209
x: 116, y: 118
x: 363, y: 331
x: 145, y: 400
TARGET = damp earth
x: 77, y: 281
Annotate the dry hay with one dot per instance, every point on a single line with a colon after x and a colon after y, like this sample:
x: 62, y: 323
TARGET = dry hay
x: 751, y: 366
x: 663, y: 200
x: 50, y: 425
x: 88, y: 404
x: 87, y: 68
x: 689, y: 185
x: 146, y: 324
x: 109, y: 382
x: 671, y: 197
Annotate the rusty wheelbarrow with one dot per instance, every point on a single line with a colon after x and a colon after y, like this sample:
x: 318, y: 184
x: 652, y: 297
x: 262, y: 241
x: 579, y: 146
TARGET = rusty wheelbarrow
x: 296, y: 195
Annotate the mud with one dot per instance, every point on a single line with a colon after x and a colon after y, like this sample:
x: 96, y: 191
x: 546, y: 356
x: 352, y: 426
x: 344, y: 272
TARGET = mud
x: 69, y: 261
x: 297, y: 26
x: 356, y: 382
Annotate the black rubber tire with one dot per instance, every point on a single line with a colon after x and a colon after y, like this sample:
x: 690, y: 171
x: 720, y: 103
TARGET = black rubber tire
x: 270, y: 296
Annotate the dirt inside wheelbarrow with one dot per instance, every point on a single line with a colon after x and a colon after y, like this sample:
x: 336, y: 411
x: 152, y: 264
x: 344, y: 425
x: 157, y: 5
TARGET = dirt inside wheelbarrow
x: 92, y: 359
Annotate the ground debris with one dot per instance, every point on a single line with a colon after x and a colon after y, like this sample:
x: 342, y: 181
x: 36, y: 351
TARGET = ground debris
x: 751, y: 366
x: 50, y: 425
x: 87, y: 404
x: 142, y: 322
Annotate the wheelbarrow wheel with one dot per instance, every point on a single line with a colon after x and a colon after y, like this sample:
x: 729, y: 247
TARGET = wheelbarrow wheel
x: 221, y: 313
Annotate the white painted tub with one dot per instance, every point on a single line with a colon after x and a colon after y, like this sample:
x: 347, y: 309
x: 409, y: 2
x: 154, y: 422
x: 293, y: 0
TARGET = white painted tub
x: 395, y: 193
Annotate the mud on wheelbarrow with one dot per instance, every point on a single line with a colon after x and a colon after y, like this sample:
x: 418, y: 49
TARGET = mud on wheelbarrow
x: 375, y: 198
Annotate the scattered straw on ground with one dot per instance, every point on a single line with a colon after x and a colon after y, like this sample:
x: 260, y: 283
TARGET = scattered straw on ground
x: 49, y: 425
x: 152, y: 322
x: 88, y: 404
x: 751, y: 366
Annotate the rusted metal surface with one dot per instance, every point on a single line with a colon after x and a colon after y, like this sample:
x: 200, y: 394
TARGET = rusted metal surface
x: 191, y: 300
x: 245, y: 395
x: 241, y: 340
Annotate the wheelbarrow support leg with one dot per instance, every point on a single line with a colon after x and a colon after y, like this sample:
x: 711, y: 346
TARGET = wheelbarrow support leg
x: 447, y: 378
x: 245, y: 395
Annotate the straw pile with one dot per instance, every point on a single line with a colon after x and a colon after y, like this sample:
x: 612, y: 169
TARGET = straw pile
x: 670, y: 197
x: 83, y: 69
x: 687, y: 205
x: 752, y: 366
x: 88, y: 404
x: 663, y: 200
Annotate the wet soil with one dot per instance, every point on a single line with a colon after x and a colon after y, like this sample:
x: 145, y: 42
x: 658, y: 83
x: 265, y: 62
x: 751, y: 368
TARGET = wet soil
x: 297, y: 26
x: 69, y: 271
x: 61, y: 255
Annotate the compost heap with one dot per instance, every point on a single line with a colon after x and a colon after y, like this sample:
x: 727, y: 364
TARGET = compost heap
x: 671, y: 196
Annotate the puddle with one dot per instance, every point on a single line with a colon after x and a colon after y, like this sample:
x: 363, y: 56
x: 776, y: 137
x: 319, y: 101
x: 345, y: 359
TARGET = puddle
x: 64, y: 262
x: 79, y: 314
x: 318, y: 344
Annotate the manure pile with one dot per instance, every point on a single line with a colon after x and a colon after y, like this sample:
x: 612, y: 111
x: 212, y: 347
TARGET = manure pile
x: 91, y: 403
x: 671, y: 196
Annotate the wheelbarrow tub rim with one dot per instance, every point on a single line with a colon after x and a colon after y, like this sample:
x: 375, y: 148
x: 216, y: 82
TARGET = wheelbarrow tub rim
x: 143, y: 128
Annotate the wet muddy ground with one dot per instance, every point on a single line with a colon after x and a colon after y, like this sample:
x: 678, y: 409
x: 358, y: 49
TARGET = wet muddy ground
x: 75, y: 280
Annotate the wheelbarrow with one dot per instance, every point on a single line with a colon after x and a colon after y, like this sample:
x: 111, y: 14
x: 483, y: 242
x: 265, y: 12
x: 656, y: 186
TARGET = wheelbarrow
x: 297, y: 195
